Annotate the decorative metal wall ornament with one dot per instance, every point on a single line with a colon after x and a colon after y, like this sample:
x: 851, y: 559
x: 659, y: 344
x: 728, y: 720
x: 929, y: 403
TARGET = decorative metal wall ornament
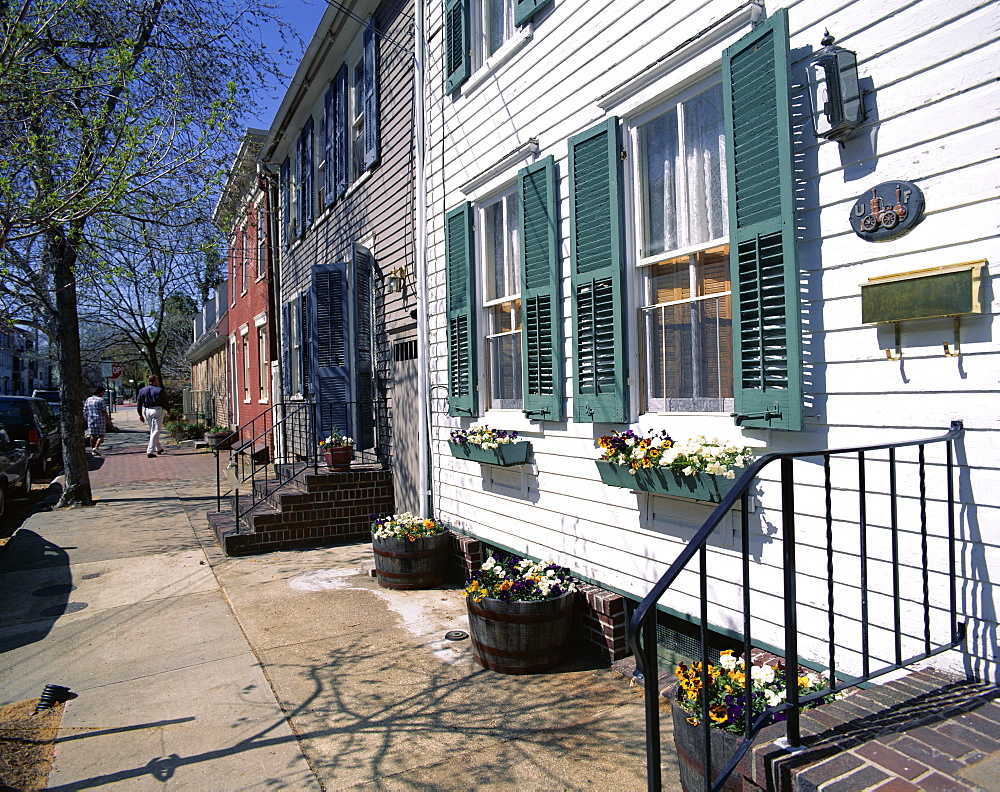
x: 887, y: 211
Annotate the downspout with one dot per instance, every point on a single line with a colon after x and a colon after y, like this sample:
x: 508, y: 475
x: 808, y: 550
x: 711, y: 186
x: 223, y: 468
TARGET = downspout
x: 423, y: 339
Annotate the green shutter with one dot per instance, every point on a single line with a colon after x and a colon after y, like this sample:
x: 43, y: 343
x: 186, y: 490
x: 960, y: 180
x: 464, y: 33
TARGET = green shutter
x: 331, y: 375
x: 457, y: 59
x: 524, y: 10
x: 767, y: 359
x: 597, y: 250
x: 462, y: 386
x: 541, y: 308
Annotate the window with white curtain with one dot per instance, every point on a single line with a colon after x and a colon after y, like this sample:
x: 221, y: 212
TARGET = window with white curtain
x: 498, y: 234
x: 683, y: 254
x: 492, y: 24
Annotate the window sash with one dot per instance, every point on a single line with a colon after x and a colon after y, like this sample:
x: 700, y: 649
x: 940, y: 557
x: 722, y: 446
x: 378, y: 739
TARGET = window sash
x: 687, y: 341
x: 499, y: 242
x: 681, y: 175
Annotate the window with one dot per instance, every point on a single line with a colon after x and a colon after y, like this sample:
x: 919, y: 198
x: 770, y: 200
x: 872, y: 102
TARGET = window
x: 261, y: 241
x: 262, y: 368
x: 686, y: 319
x: 477, y: 30
x: 243, y: 257
x: 499, y: 247
x: 245, y: 350
x: 350, y: 107
x: 492, y: 25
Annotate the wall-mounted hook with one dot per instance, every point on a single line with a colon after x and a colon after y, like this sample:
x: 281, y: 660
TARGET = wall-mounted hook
x: 958, y: 342
x: 899, y: 347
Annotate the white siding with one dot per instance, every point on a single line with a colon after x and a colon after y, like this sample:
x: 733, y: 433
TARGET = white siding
x: 933, y: 121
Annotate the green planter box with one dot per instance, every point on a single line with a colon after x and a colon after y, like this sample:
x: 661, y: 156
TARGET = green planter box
x: 504, y: 455
x: 661, y: 481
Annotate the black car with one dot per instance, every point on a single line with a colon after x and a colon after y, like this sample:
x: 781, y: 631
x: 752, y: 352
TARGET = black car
x: 33, y: 421
x: 15, y: 475
x: 50, y: 396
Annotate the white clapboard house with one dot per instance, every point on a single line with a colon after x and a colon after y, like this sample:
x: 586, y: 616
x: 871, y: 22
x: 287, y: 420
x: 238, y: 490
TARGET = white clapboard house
x: 634, y: 222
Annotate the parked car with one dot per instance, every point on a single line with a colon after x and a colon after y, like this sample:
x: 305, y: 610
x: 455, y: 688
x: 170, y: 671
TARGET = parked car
x: 15, y: 472
x: 32, y: 420
x: 51, y: 397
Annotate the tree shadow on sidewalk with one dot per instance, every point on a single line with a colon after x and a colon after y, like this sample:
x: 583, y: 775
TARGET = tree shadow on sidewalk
x: 33, y: 602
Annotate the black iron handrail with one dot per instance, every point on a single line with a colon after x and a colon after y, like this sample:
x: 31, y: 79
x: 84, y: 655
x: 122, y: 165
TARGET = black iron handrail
x: 283, y: 458
x: 642, y: 626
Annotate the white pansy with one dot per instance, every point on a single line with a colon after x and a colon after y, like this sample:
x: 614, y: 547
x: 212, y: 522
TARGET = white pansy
x: 689, y: 471
x: 772, y: 698
x: 727, y: 661
x: 762, y: 675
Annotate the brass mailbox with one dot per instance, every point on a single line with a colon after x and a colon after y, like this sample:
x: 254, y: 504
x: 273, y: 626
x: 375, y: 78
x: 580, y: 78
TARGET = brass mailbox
x: 951, y: 290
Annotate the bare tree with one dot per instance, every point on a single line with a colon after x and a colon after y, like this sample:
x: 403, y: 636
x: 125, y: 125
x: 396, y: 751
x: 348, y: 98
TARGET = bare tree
x: 123, y: 108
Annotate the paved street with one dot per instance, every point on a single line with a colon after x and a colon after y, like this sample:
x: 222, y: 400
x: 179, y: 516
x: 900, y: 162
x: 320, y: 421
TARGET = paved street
x: 292, y: 670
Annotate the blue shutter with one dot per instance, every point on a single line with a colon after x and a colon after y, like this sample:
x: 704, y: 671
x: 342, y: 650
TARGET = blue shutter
x: 541, y: 308
x: 597, y: 251
x: 364, y: 348
x: 286, y: 346
x: 307, y: 191
x: 457, y: 58
x: 329, y: 179
x: 331, y: 383
x: 284, y: 179
x: 524, y: 10
x: 370, y: 96
x: 340, y: 132
x: 767, y: 359
x: 462, y: 380
x: 305, y: 342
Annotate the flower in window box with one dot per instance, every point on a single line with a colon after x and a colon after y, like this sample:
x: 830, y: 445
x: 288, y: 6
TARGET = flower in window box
x: 483, y: 436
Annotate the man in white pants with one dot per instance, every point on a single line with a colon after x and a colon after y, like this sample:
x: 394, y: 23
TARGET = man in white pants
x: 150, y: 405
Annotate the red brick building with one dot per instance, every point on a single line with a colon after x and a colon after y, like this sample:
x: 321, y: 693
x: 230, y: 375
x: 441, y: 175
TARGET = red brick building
x: 243, y: 211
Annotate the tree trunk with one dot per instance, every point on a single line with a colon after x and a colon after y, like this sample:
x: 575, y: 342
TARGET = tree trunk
x: 62, y: 258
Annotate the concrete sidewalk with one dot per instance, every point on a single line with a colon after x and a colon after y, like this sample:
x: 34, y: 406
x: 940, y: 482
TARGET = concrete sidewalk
x: 292, y: 670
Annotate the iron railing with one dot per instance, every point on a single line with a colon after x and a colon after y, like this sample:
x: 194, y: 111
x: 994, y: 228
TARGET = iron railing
x: 908, y: 550
x: 269, y: 452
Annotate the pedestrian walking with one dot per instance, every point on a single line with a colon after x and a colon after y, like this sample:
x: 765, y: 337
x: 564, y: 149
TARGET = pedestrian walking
x: 150, y: 403
x: 95, y: 411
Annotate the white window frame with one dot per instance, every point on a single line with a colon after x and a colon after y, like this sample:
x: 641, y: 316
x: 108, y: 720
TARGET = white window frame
x: 481, y: 65
x: 264, y: 370
x: 244, y: 256
x: 487, y: 302
x: 245, y: 352
x: 294, y: 345
x: 261, y: 217
x: 643, y: 264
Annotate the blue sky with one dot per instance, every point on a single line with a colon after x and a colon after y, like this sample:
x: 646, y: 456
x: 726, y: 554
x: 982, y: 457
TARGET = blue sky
x: 303, y: 16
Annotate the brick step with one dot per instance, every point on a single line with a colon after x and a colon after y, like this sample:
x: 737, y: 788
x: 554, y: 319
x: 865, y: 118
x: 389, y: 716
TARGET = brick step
x: 927, y: 730
x: 311, y: 509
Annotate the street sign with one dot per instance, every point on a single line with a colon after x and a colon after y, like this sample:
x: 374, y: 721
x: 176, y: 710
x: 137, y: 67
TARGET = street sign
x: 116, y: 371
x: 106, y: 368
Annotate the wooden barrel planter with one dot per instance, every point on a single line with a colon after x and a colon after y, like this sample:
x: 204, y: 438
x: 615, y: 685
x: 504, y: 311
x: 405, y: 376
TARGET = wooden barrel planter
x: 520, y: 637
x: 405, y: 566
x: 222, y: 441
x: 689, y: 742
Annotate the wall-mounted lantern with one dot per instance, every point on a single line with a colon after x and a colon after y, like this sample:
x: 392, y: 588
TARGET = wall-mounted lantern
x: 396, y: 280
x: 837, y: 105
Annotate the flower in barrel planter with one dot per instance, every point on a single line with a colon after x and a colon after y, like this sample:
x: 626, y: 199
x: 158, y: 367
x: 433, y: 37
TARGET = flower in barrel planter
x: 405, y: 526
x: 410, y: 552
x: 338, y: 450
x: 731, y: 699
x: 520, y: 614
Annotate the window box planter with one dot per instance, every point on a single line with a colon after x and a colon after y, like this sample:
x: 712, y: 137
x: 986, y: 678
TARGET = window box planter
x: 662, y: 481
x: 505, y: 455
